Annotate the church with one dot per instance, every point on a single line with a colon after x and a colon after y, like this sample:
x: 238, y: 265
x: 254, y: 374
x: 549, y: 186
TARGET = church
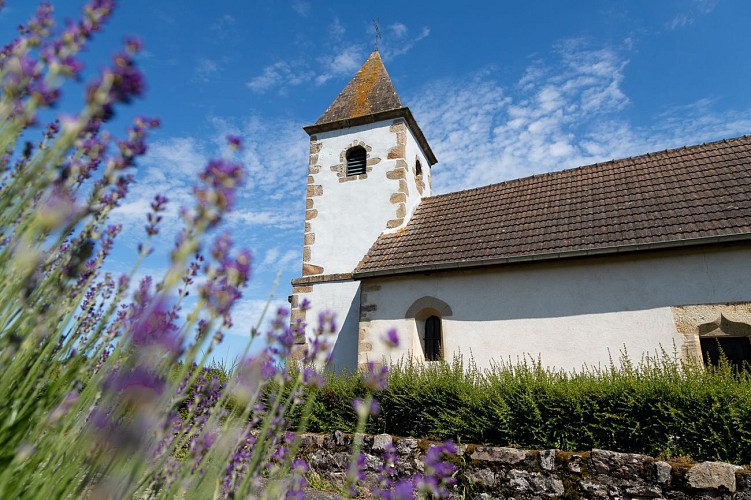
x: 641, y: 255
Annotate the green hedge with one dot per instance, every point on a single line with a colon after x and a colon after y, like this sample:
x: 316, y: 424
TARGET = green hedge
x: 658, y: 408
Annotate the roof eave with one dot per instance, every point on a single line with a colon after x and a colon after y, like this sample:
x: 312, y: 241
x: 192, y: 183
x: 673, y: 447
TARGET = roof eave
x: 444, y: 266
x: 390, y: 114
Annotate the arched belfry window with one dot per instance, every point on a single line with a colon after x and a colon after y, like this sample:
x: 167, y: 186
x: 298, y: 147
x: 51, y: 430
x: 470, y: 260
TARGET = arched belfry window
x: 418, y: 167
x: 356, y: 160
x: 432, y: 343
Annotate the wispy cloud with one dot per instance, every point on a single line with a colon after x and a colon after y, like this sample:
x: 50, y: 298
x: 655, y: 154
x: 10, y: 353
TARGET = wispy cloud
x: 271, y: 197
x: 247, y: 314
x: 696, y: 8
x: 170, y: 169
x: 345, y: 61
x: 397, y: 30
x: 341, y: 59
x: 397, y: 40
x: 275, y: 260
x: 301, y: 7
x: 206, y: 69
x: 563, y: 113
x: 280, y: 75
x: 222, y: 26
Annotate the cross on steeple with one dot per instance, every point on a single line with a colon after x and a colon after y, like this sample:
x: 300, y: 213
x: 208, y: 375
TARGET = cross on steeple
x: 378, y: 35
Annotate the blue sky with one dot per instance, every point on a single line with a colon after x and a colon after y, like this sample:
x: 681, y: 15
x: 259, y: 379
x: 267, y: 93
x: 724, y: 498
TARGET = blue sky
x: 500, y: 89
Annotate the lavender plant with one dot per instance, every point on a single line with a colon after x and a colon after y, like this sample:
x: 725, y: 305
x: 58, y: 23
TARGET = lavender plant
x: 104, y: 392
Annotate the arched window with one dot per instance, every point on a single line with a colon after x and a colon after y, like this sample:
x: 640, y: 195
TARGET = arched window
x: 418, y: 168
x: 432, y: 344
x: 356, y: 160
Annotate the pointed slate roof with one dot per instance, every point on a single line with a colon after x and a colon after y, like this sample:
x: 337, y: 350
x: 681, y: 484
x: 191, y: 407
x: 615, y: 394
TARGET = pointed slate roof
x: 368, y: 98
x: 673, y: 198
x: 370, y: 91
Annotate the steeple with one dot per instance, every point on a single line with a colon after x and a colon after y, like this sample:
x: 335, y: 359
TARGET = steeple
x: 370, y: 91
x: 369, y: 97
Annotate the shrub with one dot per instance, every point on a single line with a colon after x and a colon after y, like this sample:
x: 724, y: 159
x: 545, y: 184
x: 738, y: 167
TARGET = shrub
x: 661, y: 407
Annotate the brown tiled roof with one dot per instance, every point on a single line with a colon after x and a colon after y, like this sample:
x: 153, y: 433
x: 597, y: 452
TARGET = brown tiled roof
x: 370, y: 91
x: 675, y: 197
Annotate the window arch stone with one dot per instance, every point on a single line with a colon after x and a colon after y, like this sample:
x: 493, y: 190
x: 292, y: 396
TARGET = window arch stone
x: 427, y: 306
x: 428, y: 313
x: 341, y: 168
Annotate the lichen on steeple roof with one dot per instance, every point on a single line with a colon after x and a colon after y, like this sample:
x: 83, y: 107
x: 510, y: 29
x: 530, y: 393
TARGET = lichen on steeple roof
x: 370, y: 91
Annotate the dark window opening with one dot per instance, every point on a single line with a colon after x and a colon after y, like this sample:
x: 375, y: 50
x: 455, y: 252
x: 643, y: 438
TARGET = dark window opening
x: 737, y: 350
x: 418, y: 168
x: 433, y: 338
x: 356, y: 160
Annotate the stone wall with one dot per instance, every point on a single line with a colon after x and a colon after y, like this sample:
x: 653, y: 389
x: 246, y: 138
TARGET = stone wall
x: 493, y: 472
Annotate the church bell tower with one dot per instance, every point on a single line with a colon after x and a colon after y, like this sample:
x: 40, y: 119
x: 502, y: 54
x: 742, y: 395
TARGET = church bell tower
x: 369, y: 168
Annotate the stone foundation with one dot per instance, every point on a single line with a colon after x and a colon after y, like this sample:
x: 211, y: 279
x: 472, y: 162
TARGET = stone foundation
x: 493, y: 472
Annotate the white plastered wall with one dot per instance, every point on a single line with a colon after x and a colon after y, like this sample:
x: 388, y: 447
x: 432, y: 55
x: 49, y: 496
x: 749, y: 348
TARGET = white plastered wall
x: 568, y: 314
x: 342, y: 299
x: 352, y: 214
x: 414, y: 152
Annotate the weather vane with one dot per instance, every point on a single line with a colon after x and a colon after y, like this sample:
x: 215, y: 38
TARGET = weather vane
x: 377, y: 32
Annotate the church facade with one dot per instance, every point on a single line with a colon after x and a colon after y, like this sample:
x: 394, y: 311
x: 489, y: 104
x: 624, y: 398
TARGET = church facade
x: 570, y: 268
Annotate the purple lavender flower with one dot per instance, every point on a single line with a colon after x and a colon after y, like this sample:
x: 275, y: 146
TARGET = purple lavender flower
x: 137, y: 386
x: 235, y: 143
x: 375, y: 376
x: 312, y: 378
x: 154, y: 327
x: 153, y: 217
x: 392, y: 338
x: 438, y: 474
x: 215, y: 195
x: 362, y: 408
x: 133, y: 45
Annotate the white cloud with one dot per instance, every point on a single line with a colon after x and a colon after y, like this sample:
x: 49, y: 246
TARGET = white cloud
x: 424, y: 32
x: 272, y: 76
x: 398, y: 30
x: 170, y: 168
x: 337, y: 29
x: 205, y: 69
x: 344, y: 62
x: 680, y: 21
x: 223, y: 23
x: 562, y: 113
x: 340, y: 59
x: 301, y: 7
x: 249, y: 313
x: 275, y: 261
x: 397, y: 43
x: 696, y: 8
